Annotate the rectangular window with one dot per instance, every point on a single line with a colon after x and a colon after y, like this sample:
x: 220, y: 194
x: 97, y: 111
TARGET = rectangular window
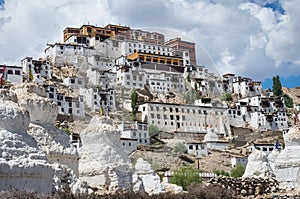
x: 17, y: 72
x: 10, y: 72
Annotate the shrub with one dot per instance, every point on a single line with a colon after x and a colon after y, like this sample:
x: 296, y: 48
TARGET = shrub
x: 186, y: 175
x: 220, y: 172
x: 180, y: 148
x: 238, y: 171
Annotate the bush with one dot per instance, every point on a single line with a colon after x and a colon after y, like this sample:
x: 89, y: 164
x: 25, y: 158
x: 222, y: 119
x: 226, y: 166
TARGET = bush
x: 220, y: 172
x: 238, y: 171
x: 186, y: 175
x: 180, y: 148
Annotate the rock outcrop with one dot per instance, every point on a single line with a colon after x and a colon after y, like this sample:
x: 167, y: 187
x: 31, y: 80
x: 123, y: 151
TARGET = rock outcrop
x: 43, y: 112
x: 287, y: 163
x: 103, y: 164
x: 23, y: 162
x: 145, y: 173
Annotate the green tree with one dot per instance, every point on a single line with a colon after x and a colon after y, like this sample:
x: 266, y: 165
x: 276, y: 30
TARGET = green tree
x: 288, y: 101
x: 153, y: 130
x: 133, y: 104
x: 237, y: 171
x: 277, y: 88
x: 186, y: 175
x: 180, y: 148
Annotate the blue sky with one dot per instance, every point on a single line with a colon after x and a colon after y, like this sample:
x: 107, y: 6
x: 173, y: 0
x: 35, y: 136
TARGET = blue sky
x: 252, y: 38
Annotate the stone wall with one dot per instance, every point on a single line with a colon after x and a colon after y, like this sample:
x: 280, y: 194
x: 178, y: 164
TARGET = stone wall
x: 248, y: 186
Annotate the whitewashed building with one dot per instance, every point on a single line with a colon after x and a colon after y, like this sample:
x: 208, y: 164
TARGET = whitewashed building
x: 11, y: 74
x: 201, y: 80
x: 66, y: 105
x: 198, y: 149
x: 239, y: 160
x: 98, y: 100
x: 267, y: 148
x: 135, y: 130
x: 184, y: 118
x: 74, y: 82
x: 129, y: 78
x: 101, y: 62
x: 128, y: 144
x: 104, y: 79
x: 263, y: 113
x: 40, y: 67
x: 62, y: 54
x: 245, y: 87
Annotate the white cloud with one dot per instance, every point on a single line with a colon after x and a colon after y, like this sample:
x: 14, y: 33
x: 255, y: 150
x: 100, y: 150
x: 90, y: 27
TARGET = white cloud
x: 235, y: 36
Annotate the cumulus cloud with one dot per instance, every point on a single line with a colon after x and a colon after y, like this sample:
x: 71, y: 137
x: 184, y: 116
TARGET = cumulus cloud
x: 253, y: 38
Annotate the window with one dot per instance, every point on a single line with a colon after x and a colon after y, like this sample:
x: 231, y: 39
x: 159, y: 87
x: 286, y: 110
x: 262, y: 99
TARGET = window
x: 9, y: 72
x: 17, y: 72
x: 265, y: 149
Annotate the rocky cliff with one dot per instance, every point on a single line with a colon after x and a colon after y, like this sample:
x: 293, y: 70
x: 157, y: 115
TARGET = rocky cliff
x: 24, y: 158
